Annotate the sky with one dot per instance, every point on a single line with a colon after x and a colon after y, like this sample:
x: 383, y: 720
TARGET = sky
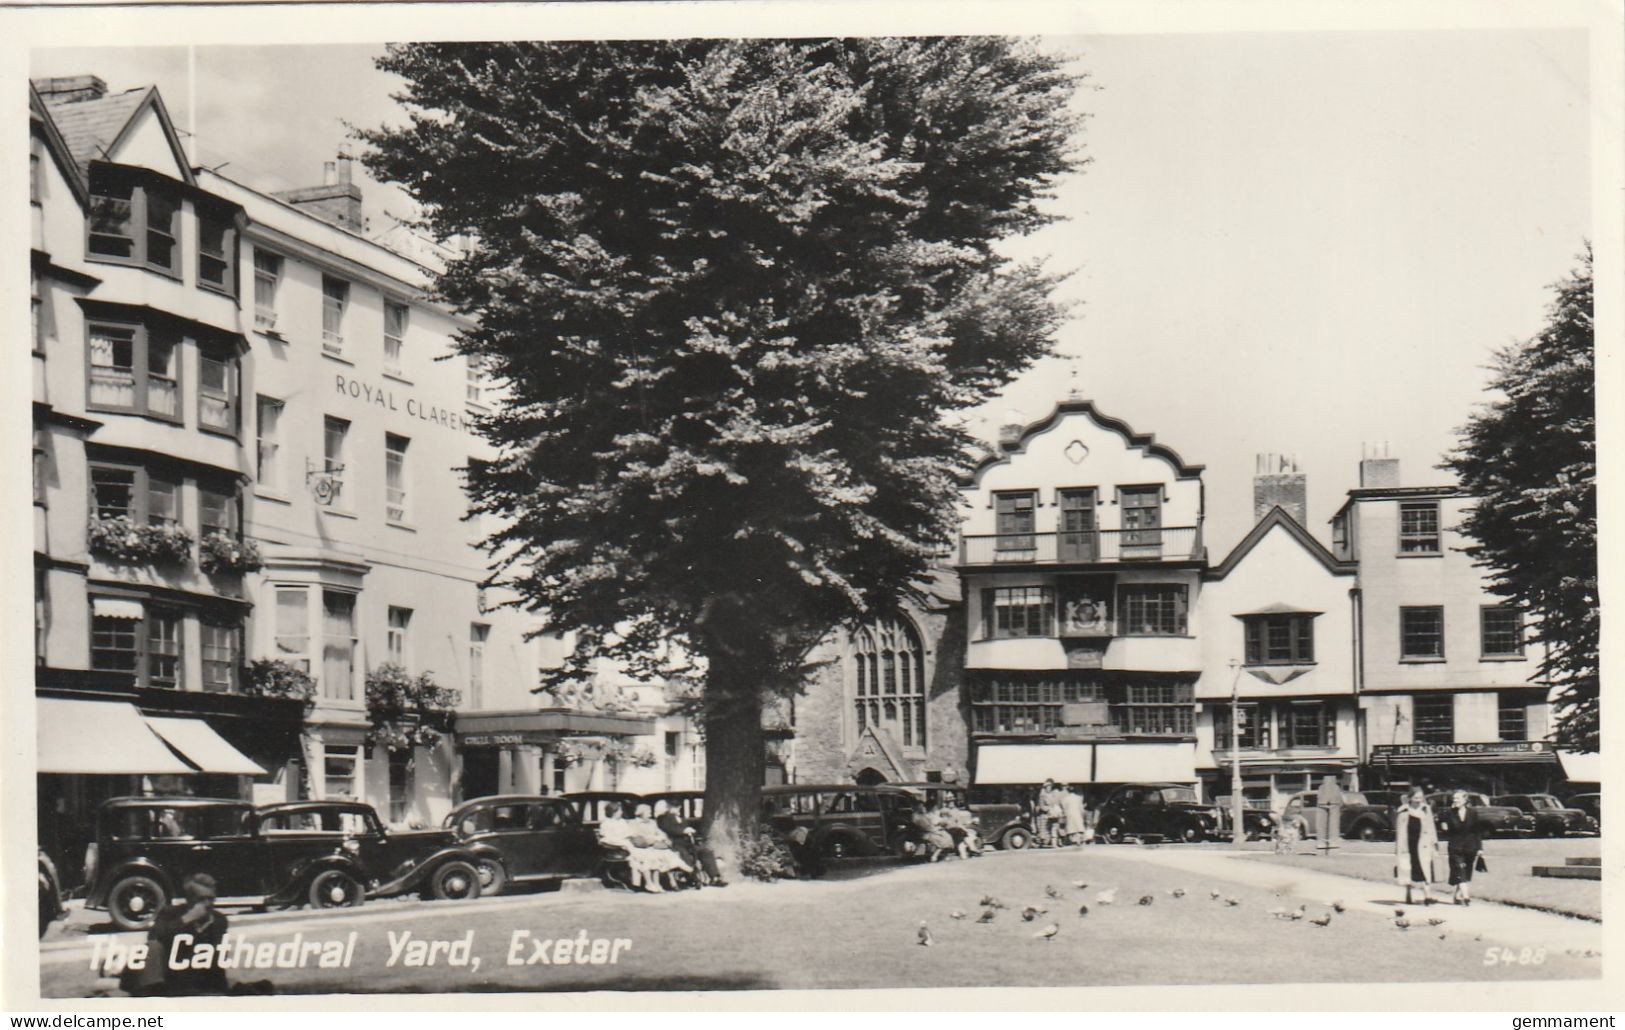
x: 1301, y: 243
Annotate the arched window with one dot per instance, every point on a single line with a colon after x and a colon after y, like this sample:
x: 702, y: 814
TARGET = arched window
x: 889, y: 663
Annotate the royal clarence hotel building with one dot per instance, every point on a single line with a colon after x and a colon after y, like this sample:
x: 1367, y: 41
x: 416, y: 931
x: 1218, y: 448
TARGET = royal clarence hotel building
x: 250, y: 428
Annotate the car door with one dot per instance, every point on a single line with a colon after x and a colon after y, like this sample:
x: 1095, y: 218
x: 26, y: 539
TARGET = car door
x: 509, y: 828
x: 575, y: 845
x: 222, y: 846
x: 290, y: 839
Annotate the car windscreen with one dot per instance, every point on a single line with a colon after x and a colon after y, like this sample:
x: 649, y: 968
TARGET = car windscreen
x: 1180, y: 796
x: 1354, y: 797
x: 1544, y: 801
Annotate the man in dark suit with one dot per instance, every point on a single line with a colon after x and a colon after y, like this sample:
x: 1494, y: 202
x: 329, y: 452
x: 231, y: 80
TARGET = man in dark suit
x: 1464, y: 830
x: 686, y: 840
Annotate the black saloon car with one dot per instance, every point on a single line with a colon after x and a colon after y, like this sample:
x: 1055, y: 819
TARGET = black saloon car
x: 1169, y: 811
x: 1590, y: 804
x: 1358, y: 817
x: 1503, y: 820
x: 845, y: 820
x: 523, y: 838
x: 324, y: 853
x: 1552, y: 817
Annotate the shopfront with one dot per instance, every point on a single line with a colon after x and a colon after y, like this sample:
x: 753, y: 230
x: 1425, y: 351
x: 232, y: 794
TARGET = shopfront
x: 1490, y: 767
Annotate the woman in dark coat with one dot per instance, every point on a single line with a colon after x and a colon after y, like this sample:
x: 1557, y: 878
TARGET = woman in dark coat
x: 1465, y: 832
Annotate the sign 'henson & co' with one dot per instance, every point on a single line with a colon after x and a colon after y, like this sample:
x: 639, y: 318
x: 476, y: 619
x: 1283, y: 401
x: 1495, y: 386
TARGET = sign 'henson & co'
x: 414, y: 408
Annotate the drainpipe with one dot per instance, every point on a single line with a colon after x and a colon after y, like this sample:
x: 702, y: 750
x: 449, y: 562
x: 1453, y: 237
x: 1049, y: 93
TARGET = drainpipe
x: 1361, y: 737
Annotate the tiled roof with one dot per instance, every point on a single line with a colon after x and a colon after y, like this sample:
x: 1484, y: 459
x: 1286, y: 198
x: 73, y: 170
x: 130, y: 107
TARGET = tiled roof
x: 89, y: 127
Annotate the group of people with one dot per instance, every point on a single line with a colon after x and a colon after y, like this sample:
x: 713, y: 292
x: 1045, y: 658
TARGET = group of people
x: 1416, y: 841
x: 659, y: 844
x: 1062, y: 816
x: 945, y: 829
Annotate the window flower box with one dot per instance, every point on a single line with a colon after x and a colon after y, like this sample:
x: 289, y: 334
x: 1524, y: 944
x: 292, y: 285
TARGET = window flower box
x: 273, y: 677
x: 123, y: 542
x: 223, y: 551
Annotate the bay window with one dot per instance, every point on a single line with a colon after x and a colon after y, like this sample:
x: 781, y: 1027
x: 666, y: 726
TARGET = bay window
x: 143, y: 497
x: 338, y: 645
x: 1153, y: 610
x: 216, y: 254
x: 133, y: 368
x: 139, y: 638
x: 133, y: 223
x: 1019, y: 612
x: 1309, y: 724
x: 217, y: 390
x: 1280, y: 639
x: 293, y: 626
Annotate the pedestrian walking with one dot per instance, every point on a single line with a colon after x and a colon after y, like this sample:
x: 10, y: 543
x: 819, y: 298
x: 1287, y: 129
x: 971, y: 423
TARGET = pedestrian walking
x: 1074, y: 821
x: 1415, y: 841
x: 1464, y: 833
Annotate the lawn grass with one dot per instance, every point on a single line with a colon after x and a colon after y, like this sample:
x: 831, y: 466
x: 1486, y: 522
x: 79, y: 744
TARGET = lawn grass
x: 1509, y: 878
x: 862, y: 932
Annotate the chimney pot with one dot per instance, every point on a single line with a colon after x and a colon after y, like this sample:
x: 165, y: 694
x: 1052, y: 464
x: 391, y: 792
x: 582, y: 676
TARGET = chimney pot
x: 344, y: 169
x: 329, y: 174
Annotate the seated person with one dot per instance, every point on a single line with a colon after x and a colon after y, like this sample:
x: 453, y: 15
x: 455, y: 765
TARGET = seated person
x: 615, y: 832
x: 685, y: 838
x: 650, y: 847
x: 935, y: 839
x: 961, y: 826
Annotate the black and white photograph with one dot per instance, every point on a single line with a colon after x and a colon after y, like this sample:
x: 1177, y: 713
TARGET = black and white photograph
x: 768, y: 505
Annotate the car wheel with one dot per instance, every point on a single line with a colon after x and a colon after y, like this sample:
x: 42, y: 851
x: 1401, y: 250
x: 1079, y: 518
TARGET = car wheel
x: 1015, y: 839
x: 335, y: 888
x: 493, y: 877
x: 1113, y: 833
x: 835, y: 847
x: 47, y: 907
x: 455, y: 881
x: 1192, y: 834
x: 1368, y: 831
x: 135, y: 900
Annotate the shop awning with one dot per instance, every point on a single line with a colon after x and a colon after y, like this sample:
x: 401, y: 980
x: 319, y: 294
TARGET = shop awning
x: 106, y: 738
x: 1034, y: 763
x: 1145, y: 763
x: 1581, y: 768
x: 197, y: 741
x: 1085, y: 763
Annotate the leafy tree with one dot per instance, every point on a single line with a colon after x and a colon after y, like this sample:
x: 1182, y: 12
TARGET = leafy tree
x: 1531, y: 459
x: 736, y: 290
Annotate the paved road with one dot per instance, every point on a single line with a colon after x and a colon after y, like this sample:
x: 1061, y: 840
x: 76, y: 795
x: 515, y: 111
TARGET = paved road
x: 862, y: 932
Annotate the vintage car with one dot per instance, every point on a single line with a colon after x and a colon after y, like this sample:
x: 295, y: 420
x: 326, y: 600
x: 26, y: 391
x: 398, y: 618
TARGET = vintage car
x: 845, y: 820
x: 589, y: 804
x: 1503, y: 820
x: 1388, y: 800
x: 523, y: 838
x: 1001, y: 820
x: 1552, y: 817
x: 1168, y: 811
x: 1358, y: 817
x: 50, y: 893
x: 327, y: 854
x: 688, y: 804
x: 1590, y: 804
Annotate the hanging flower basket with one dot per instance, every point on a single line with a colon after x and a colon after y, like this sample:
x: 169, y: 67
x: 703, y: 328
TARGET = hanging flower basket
x: 123, y: 542
x: 225, y: 552
x: 407, y: 711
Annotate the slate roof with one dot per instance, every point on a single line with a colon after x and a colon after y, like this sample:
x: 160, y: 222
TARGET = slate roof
x: 90, y: 127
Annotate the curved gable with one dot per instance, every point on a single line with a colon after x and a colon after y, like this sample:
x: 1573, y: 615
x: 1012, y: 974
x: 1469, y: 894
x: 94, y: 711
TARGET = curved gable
x: 1146, y: 443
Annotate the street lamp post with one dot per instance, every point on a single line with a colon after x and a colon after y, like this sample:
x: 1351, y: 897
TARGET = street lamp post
x: 1238, y: 832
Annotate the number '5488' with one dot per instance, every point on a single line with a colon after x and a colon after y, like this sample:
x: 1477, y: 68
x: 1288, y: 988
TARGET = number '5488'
x: 1507, y: 957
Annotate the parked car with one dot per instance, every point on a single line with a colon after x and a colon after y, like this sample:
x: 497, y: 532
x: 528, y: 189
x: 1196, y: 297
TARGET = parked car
x: 1001, y: 820
x: 1552, y: 817
x: 50, y: 893
x: 323, y: 853
x: 845, y: 820
x: 1358, y: 817
x: 1503, y: 820
x: 590, y: 803
x: 688, y: 804
x: 523, y: 838
x: 1167, y: 810
x: 1389, y: 800
x: 1590, y: 804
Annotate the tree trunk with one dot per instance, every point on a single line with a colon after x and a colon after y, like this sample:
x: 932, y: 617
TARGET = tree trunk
x: 735, y: 757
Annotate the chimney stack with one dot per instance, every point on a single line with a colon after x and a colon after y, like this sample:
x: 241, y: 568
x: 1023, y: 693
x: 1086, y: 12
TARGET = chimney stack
x: 1277, y: 483
x: 1377, y: 469
x: 70, y: 89
x: 337, y: 200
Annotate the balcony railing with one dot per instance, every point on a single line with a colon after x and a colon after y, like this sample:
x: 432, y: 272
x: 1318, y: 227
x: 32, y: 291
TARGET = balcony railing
x: 1174, y: 543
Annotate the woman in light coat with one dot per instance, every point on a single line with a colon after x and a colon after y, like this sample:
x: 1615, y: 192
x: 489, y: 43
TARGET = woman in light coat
x: 1416, y: 838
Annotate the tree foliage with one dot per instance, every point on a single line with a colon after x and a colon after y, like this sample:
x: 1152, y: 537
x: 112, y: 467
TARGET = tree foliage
x: 732, y: 288
x: 1531, y: 459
